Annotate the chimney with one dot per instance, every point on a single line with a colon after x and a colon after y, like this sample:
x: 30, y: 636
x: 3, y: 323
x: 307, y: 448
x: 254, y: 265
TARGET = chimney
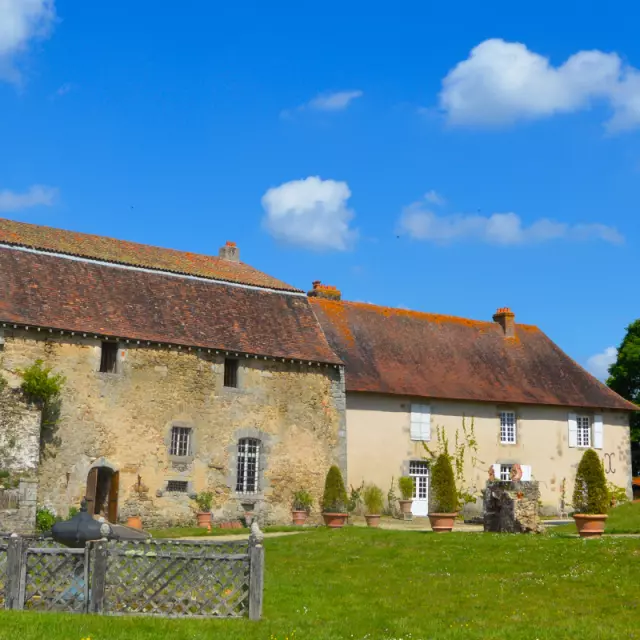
x: 229, y: 252
x: 507, y: 320
x: 324, y: 291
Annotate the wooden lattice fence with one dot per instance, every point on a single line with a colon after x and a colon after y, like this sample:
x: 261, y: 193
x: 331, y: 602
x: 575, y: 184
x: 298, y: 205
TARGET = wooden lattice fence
x: 158, y: 578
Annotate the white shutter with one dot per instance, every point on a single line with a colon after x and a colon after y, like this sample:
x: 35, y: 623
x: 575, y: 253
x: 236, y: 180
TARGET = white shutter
x: 573, y: 430
x: 416, y: 426
x: 526, y: 472
x: 496, y: 471
x: 597, y: 432
x: 420, y: 422
x: 426, y: 423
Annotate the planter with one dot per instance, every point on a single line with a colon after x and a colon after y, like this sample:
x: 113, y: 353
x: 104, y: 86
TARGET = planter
x: 442, y: 522
x: 134, y: 522
x: 298, y: 517
x: 372, y: 520
x: 335, y: 520
x: 204, y: 519
x: 590, y: 525
x: 405, y: 509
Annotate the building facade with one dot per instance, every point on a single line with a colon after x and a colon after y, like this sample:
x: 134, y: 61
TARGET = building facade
x: 502, y: 389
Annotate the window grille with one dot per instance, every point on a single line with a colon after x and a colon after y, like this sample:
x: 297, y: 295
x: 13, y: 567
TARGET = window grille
x: 177, y: 486
x: 248, y: 465
x: 584, y: 431
x: 180, y: 441
x: 419, y: 471
x: 507, y: 427
x: 505, y: 472
x: 230, y: 372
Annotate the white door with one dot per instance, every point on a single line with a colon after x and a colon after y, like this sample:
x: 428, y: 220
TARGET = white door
x: 419, y: 471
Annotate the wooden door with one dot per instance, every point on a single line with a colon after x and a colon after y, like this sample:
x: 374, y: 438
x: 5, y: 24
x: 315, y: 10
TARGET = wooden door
x: 92, y: 487
x: 112, y: 512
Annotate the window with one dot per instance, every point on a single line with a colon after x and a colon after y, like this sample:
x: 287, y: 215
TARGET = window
x: 584, y: 431
x: 507, y: 427
x: 177, y: 486
x: 248, y: 461
x: 230, y: 372
x: 109, y: 357
x: 505, y: 472
x: 180, y: 441
x: 420, y: 422
x: 419, y: 471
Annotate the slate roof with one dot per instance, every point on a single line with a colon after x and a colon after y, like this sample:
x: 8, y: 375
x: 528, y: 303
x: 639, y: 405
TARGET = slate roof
x: 131, y: 253
x: 39, y: 289
x: 401, y: 352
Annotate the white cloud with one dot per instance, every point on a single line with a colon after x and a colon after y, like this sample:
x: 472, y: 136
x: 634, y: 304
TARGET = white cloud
x: 499, y: 228
x: 37, y: 195
x: 21, y: 21
x: 599, y: 363
x: 334, y: 101
x: 503, y: 82
x: 434, y: 197
x: 311, y: 213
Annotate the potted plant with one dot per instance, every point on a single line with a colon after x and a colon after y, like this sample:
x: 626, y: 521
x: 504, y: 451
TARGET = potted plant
x: 444, y: 495
x: 590, y: 496
x: 334, y: 500
x: 302, y: 503
x: 373, y: 501
x: 405, y: 484
x: 204, y: 500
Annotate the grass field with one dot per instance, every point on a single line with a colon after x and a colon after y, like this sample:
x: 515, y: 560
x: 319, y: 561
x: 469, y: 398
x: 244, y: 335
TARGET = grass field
x: 201, y: 532
x: 380, y: 585
x: 622, y: 519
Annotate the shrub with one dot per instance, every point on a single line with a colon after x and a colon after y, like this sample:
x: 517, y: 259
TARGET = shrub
x: 405, y: 484
x: 302, y: 500
x: 355, y: 498
x: 590, y: 493
x: 334, y: 499
x: 42, y: 387
x: 443, y: 486
x: 204, y: 500
x: 617, y: 495
x: 73, y: 511
x: 373, y: 499
x: 45, y: 519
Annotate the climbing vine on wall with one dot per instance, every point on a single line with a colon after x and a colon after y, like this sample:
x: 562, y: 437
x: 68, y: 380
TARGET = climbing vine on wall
x: 42, y: 388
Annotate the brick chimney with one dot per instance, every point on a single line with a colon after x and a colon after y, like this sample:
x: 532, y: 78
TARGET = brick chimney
x: 507, y: 320
x: 324, y: 291
x: 229, y: 252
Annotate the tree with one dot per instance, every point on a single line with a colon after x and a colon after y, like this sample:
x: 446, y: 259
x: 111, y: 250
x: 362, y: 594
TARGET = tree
x: 590, y: 494
x: 624, y: 376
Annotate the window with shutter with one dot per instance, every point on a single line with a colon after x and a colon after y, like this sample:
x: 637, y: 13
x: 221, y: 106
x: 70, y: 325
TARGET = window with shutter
x: 598, y: 432
x: 508, y: 427
x: 421, y: 422
x: 583, y: 431
x: 573, y: 430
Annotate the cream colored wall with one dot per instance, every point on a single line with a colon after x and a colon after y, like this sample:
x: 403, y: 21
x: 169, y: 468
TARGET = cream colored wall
x: 379, y: 444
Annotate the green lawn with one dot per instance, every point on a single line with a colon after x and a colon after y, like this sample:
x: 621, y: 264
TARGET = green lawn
x: 380, y: 585
x: 201, y: 532
x: 622, y: 519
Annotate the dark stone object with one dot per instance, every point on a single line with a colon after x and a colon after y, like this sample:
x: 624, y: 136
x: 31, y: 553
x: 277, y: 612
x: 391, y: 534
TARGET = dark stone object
x: 511, y: 507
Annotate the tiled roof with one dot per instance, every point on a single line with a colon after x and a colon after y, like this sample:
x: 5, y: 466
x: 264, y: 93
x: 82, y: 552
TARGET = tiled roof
x: 132, y: 253
x: 39, y: 289
x: 402, y: 352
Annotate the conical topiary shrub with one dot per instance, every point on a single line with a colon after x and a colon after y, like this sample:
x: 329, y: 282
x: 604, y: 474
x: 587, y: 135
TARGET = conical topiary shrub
x: 334, y: 499
x: 590, y: 496
x: 444, y: 495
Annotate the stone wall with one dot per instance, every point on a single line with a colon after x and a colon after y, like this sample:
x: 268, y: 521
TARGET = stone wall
x: 19, y: 432
x: 512, y: 507
x: 123, y: 421
x: 22, y: 519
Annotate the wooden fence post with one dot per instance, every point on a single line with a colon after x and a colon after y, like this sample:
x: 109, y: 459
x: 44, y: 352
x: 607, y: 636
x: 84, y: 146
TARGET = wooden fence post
x: 99, y: 576
x: 256, y: 572
x: 14, y: 573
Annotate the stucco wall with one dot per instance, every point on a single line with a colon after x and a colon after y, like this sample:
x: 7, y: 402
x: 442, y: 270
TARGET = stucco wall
x: 379, y: 444
x: 124, y: 420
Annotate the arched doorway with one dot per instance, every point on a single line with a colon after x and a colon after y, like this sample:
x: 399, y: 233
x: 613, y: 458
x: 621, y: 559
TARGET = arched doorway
x: 102, y: 492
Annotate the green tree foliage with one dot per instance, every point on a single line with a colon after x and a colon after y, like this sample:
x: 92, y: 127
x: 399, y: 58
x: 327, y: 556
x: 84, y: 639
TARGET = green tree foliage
x: 373, y: 499
x: 334, y: 499
x: 302, y: 500
x: 42, y: 387
x: 405, y: 484
x: 625, y: 373
x: 590, y: 494
x: 443, y: 486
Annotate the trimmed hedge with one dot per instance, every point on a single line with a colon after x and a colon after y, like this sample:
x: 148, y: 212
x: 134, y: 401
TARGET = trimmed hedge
x: 334, y: 499
x: 590, y: 493
x: 443, y: 486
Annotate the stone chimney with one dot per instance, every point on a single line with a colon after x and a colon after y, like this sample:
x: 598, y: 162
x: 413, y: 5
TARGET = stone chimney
x: 324, y: 291
x: 229, y: 252
x: 507, y: 320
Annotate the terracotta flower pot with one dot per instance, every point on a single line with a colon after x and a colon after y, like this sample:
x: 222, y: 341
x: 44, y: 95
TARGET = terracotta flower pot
x: 204, y: 519
x: 405, y: 509
x: 134, y: 522
x: 442, y: 522
x: 590, y: 525
x: 298, y: 517
x: 335, y: 520
x: 372, y: 520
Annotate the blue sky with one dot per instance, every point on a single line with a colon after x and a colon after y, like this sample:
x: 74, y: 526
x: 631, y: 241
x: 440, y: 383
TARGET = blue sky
x: 446, y: 157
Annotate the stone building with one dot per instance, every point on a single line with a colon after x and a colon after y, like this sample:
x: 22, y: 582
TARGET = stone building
x: 409, y: 373
x: 184, y: 373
